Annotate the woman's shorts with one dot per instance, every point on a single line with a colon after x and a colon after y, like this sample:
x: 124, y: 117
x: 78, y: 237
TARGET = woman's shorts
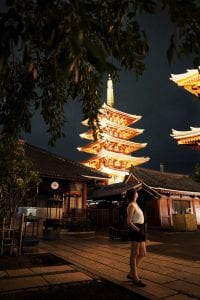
x: 135, y: 235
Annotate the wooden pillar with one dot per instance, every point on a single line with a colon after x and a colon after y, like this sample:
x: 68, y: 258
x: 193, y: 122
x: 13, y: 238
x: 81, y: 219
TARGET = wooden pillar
x: 169, y: 210
x: 84, y: 195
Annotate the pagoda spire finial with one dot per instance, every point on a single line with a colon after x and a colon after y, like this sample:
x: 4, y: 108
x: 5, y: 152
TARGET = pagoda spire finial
x: 110, y: 94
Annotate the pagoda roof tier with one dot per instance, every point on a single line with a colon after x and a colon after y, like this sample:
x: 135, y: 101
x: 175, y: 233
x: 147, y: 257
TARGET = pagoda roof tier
x: 115, y: 175
x: 190, y: 137
x: 115, y: 130
x: 118, y: 116
x: 190, y: 80
x: 115, y: 159
x: 193, y: 132
x: 114, y: 171
x: 115, y: 116
x: 112, y: 144
x: 124, y: 142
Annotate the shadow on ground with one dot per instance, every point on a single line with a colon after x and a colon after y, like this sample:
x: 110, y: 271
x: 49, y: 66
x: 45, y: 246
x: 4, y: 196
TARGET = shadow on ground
x: 96, y: 289
x: 185, y: 245
x: 30, y: 260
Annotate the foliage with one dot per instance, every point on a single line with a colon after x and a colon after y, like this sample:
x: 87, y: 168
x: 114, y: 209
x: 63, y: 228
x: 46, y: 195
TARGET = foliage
x: 52, y: 52
x: 17, y: 177
x: 185, y: 16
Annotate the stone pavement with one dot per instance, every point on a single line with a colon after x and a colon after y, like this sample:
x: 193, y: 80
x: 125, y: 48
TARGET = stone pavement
x: 166, y: 277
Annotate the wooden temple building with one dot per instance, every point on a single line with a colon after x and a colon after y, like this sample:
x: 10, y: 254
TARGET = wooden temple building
x: 111, y: 151
x: 191, y: 82
x: 64, y: 183
x: 164, y: 197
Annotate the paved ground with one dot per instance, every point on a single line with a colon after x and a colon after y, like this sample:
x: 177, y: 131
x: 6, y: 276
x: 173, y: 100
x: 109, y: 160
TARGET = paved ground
x: 184, y: 245
x: 169, y: 271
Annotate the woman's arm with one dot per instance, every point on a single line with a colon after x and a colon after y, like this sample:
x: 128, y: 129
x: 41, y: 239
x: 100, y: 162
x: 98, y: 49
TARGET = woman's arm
x: 131, y: 209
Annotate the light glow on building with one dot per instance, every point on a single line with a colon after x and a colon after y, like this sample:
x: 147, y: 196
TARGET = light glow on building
x: 111, y: 151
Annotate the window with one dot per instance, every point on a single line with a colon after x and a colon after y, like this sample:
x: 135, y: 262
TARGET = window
x: 180, y: 206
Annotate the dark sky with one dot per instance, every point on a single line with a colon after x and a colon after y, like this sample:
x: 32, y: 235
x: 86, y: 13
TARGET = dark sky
x: 162, y: 104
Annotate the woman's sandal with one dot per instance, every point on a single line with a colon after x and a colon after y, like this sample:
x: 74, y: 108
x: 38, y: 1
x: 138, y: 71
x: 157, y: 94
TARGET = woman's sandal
x: 139, y: 283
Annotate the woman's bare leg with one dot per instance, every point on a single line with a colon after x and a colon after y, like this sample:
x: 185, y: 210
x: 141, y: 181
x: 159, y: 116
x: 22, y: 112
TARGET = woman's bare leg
x: 142, y: 252
x: 133, y: 260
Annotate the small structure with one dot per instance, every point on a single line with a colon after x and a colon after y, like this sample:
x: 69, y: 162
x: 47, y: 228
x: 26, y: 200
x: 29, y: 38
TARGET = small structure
x: 111, y: 151
x: 190, y: 80
x: 190, y: 138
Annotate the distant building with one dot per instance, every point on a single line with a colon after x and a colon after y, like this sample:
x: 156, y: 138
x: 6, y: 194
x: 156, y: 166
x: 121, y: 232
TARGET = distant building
x: 111, y: 151
x: 189, y: 138
x: 191, y: 82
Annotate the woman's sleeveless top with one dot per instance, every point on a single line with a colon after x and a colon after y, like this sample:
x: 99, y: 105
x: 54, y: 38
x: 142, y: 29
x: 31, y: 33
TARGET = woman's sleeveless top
x: 138, y: 216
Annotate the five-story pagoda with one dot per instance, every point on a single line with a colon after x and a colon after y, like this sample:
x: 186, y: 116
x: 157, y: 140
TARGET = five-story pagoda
x: 111, y: 151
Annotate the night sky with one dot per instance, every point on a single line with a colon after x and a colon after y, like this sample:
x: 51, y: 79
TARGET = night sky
x: 162, y: 104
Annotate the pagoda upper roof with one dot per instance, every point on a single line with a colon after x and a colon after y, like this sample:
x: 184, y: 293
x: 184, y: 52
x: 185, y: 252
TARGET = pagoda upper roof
x: 190, y: 80
x: 131, y: 160
x: 193, y: 132
x: 106, y: 111
x: 128, y: 118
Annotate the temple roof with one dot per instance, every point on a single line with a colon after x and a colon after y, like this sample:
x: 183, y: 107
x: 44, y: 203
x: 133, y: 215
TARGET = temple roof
x: 121, y: 188
x: 52, y: 165
x: 168, y: 182
x: 190, y: 80
x: 193, y: 132
x: 154, y: 182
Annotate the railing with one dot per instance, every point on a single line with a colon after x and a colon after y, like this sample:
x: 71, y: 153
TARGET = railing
x: 98, y: 217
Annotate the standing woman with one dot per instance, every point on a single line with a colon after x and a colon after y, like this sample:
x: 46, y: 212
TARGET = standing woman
x: 136, y: 231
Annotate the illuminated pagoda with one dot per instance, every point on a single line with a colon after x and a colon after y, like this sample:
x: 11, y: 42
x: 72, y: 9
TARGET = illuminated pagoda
x: 191, y: 82
x: 111, y: 151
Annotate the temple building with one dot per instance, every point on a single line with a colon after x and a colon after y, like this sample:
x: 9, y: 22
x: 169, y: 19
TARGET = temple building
x: 189, y: 81
x: 190, y: 138
x: 111, y: 151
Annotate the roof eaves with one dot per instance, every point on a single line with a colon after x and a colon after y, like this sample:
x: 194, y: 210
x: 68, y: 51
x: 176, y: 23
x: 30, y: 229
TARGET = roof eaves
x: 177, y: 192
